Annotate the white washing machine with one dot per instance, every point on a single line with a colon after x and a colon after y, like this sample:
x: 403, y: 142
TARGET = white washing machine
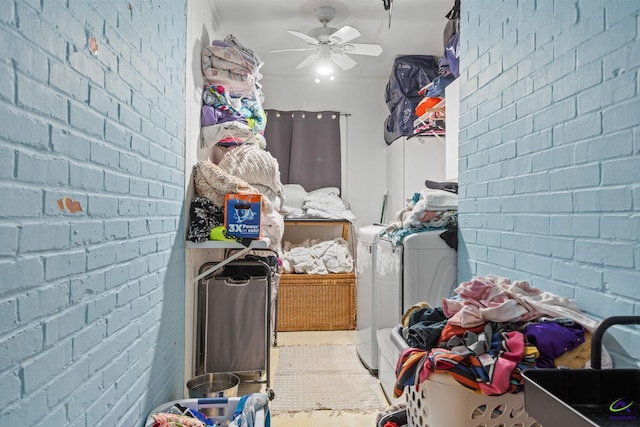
x: 366, y: 345
x: 421, y: 269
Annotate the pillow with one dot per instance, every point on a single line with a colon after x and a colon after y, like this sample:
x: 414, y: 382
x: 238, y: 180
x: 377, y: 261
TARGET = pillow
x: 294, y: 195
x: 327, y: 190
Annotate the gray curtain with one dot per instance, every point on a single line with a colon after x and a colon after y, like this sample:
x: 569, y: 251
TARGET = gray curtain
x: 306, y: 145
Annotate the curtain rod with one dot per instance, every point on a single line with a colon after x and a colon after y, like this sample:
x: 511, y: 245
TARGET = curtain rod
x: 283, y: 111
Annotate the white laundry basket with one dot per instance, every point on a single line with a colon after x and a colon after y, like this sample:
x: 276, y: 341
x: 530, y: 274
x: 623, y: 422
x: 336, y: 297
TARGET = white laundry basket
x: 442, y: 401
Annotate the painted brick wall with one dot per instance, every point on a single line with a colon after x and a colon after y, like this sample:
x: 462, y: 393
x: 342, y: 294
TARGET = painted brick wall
x: 550, y: 150
x: 91, y: 218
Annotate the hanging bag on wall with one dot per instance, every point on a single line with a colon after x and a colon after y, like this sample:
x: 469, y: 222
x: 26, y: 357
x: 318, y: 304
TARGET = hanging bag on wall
x: 451, y: 39
x: 453, y: 24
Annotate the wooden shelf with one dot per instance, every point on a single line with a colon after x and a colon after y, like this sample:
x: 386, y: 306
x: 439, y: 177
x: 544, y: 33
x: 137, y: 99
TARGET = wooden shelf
x: 321, y: 221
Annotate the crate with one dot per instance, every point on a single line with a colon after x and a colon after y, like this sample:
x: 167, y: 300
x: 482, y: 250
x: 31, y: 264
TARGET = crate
x: 316, y: 302
x: 442, y: 401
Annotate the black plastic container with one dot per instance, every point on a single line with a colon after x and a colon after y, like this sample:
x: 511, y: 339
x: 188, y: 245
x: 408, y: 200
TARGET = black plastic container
x: 585, y: 397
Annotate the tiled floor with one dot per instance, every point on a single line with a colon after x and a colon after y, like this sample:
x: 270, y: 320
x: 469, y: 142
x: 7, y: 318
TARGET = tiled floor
x: 315, y: 418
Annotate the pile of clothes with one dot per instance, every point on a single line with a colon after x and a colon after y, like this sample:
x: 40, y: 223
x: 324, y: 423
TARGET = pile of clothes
x: 491, y: 331
x: 246, y: 169
x: 314, y: 256
x: 232, y: 98
x: 233, y: 121
x: 434, y: 207
x: 244, y: 415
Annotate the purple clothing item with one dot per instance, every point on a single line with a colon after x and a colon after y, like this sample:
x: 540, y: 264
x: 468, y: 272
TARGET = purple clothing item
x: 212, y: 116
x: 552, y: 339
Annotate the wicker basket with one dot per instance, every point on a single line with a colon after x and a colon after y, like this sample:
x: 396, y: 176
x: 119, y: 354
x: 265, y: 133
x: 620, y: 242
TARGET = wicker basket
x: 316, y: 302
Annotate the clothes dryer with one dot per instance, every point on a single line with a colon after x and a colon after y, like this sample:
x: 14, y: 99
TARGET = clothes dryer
x: 423, y: 268
x: 366, y: 344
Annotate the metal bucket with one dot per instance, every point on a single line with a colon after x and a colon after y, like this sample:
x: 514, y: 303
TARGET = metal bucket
x: 219, y: 384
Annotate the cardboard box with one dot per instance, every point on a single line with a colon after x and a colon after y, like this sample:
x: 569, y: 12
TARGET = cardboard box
x: 243, y: 215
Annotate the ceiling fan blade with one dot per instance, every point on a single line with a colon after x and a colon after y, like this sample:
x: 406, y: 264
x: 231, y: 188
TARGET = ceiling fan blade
x: 304, y: 37
x: 362, y: 49
x: 344, y: 35
x: 304, y: 49
x: 308, y: 61
x: 343, y: 61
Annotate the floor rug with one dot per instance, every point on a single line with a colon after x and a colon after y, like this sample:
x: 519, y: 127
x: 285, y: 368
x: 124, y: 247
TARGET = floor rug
x: 324, y: 377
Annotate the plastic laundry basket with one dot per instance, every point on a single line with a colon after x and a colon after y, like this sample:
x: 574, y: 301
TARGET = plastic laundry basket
x: 226, y: 406
x: 441, y: 401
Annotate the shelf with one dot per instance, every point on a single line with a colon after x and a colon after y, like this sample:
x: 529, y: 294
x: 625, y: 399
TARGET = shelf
x: 214, y: 244
x: 218, y: 244
x: 439, y: 107
x: 321, y: 221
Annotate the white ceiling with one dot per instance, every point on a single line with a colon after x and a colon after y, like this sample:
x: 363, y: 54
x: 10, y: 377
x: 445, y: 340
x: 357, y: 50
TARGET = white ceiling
x: 416, y: 29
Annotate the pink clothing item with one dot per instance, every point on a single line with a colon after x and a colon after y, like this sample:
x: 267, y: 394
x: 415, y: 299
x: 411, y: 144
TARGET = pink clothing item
x: 496, y: 299
x: 546, y: 303
x: 484, y: 301
x: 504, y: 364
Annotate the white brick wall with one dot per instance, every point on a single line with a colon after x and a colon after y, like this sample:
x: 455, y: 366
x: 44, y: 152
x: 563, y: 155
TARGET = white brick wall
x: 91, y: 313
x: 549, y: 158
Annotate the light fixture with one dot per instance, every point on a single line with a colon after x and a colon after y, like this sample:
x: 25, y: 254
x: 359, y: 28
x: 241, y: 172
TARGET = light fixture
x: 319, y: 76
x: 325, y: 66
x: 324, y: 69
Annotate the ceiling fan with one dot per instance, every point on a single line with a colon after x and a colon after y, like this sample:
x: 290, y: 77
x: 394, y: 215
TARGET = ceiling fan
x: 331, y: 44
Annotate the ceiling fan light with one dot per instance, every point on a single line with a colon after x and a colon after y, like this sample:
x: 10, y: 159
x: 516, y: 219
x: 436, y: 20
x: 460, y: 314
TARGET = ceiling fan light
x: 324, y: 70
x: 332, y: 77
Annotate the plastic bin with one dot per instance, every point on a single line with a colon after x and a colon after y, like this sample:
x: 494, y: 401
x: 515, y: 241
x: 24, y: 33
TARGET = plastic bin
x: 442, y: 401
x: 586, y: 397
x: 226, y: 407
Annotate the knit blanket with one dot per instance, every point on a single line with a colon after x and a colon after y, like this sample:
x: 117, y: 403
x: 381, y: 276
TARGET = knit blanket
x: 258, y: 168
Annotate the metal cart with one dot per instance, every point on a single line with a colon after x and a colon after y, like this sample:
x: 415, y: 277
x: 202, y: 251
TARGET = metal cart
x: 234, y: 322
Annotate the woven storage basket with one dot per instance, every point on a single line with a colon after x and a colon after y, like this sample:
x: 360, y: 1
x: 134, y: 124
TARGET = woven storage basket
x: 316, y: 302
x: 442, y: 401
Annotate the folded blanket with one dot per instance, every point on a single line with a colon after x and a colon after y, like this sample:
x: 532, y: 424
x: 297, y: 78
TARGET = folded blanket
x: 326, y: 205
x: 232, y: 57
x: 439, y: 200
x: 238, y: 85
x: 228, y: 131
x: 246, y: 52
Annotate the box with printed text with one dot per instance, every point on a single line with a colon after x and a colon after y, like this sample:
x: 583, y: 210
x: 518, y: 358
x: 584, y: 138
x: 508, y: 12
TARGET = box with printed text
x: 243, y: 215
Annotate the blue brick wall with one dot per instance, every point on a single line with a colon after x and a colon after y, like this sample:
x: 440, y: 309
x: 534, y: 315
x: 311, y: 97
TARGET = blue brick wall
x: 550, y: 151
x: 91, y: 231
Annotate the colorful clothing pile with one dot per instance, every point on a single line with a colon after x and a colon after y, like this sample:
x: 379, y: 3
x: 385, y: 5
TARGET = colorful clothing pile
x: 232, y: 112
x: 490, y: 332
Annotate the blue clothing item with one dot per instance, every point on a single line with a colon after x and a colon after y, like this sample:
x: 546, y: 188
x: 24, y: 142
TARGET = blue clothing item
x: 424, y: 328
x: 245, y: 413
x: 397, y: 236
